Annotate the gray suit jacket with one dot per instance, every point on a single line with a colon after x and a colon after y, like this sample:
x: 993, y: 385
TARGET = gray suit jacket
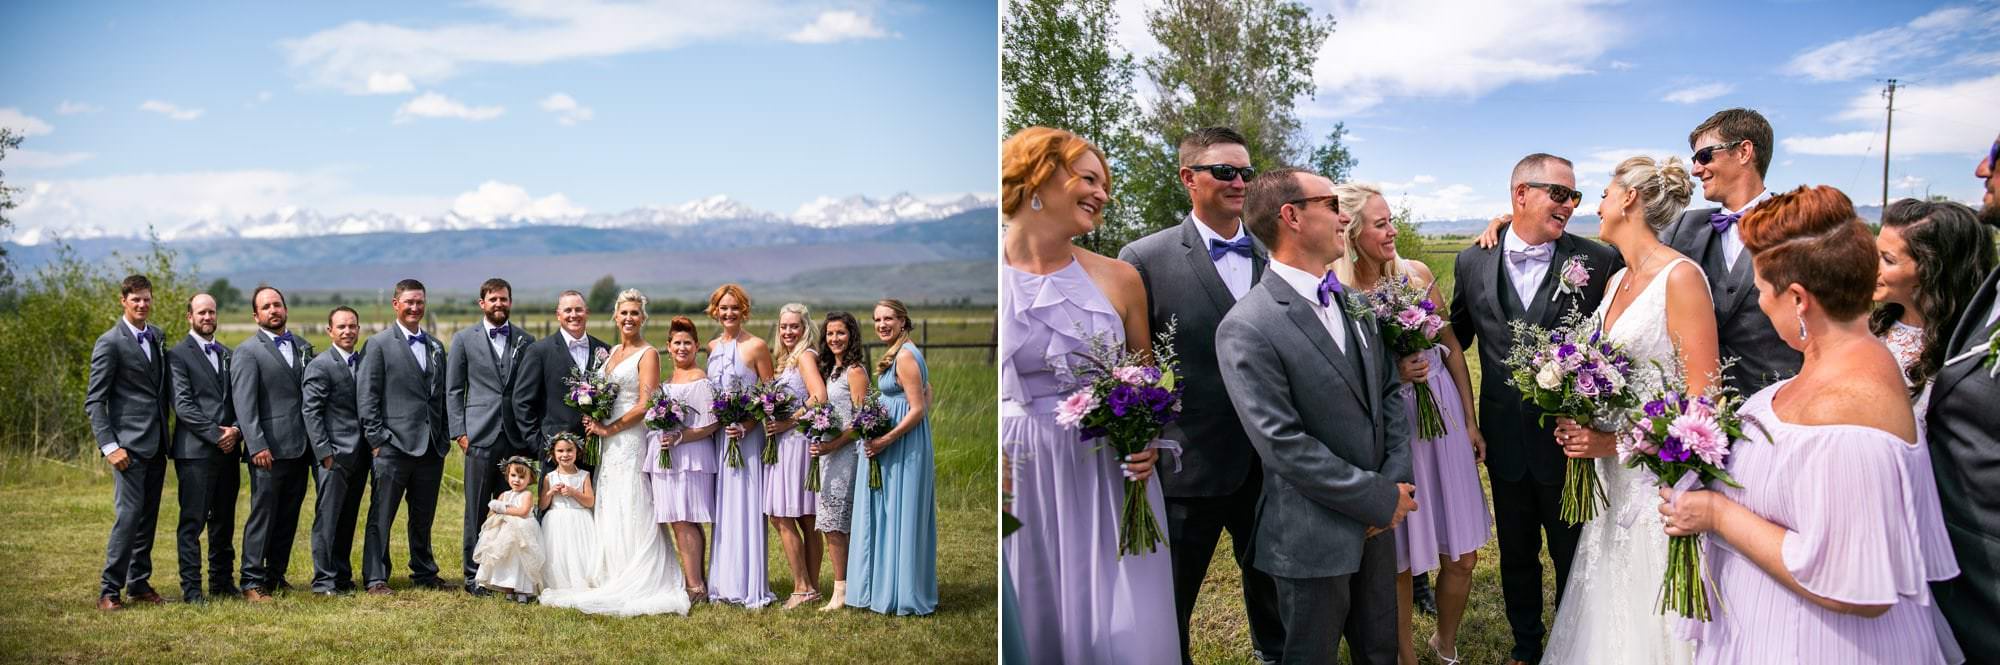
x: 332, y: 413
x: 402, y: 404
x: 1334, y: 442
x: 127, y: 395
x: 1964, y: 433
x: 267, y: 395
x: 479, y: 388
x: 1741, y: 329
x: 1183, y: 286
x: 201, y: 400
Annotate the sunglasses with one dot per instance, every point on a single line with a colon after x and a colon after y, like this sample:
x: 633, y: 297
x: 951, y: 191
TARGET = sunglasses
x: 1706, y: 155
x: 1330, y: 199
x: 1225, y: 172
x: 1557, y: 193
x: 1993, y: 156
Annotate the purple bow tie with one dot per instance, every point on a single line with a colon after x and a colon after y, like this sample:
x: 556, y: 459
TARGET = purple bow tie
x: 353, y: 360
x: 1218, y: 248
x: 145, y: 336
x: 286, y: 338
x: 1540, y: 252
x: 502, y: 331
x: 213, y: 348
x: 1328, y: 287
x: 1722, y: 221
x: 419, y: 338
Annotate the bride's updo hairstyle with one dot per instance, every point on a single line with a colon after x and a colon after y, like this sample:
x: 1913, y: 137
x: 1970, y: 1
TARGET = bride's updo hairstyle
x: 1033, y: 155
x: 1811, y: 237
x: 631, y: 295
x: 1663, y: 187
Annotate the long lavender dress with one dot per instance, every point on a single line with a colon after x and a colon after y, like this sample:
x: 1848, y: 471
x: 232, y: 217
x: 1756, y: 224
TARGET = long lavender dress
x: 1079, y: 602
x: 736, y: 571
x: 1451, y: 517
x: 1862, y: 525
x: 685, y: 492
x: 785, y: 492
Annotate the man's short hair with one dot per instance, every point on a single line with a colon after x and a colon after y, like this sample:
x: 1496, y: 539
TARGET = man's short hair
x: 1202, y: 139
x: 337, y: 310
x: 134, y: 283
x: 1535, y: 167
x: 190, y: 302
x: 1266, y: 196
x: 261, y: 288
x: 408, y: 285
x: 568, y: 293
x: 495, y: 284
x: 1739, y: 125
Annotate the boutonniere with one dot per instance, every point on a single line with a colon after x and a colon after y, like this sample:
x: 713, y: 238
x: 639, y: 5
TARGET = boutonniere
x: 597, y: 359
x: 1575, y: 275
x: 1992, y: 361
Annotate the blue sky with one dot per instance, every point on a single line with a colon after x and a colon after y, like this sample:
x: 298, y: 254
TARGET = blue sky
x: 1442, y: 97
x: 170, y: 111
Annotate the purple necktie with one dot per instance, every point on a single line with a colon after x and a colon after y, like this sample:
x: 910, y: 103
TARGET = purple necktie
x: 1722, y: 221
x: 1328, y: 286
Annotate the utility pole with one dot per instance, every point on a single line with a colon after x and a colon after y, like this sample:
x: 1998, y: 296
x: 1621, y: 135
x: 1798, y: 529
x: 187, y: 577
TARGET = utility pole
x: 1888, y: 132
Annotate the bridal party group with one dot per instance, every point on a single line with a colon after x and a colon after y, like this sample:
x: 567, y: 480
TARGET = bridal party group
x: 1802, y: 468
x: 623, y: 477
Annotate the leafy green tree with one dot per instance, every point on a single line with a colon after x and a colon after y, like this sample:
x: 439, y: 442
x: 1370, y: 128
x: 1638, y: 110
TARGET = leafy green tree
x: 603, y: 294
x: 226, y: 295
x: 8, y: 141
x: 1331, y: 159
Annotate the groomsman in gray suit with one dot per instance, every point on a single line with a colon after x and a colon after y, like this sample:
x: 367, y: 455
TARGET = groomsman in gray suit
x: 1320, y: 399
x: 538, y: 386
x: 265, y: 378
x: 1964, y: 428
x: 208, y: 453
x: 1194, y: 272
x: 401, y: 394
x: 126, y: 400
x: 479, y: 387
x: 333, y: 426
x: 1732, y: 154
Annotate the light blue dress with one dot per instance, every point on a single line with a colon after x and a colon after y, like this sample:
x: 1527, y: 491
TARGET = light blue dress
x: 892, y: 564
x: 736, y: 569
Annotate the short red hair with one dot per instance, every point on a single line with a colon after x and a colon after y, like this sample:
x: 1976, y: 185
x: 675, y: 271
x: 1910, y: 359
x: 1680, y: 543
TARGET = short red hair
x: 1031, y: 156
x: 1811, y: 237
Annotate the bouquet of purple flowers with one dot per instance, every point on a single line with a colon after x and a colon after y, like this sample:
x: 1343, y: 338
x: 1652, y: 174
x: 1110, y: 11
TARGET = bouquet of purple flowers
x: 734, y: 405
x: 1684, y: 440
x: 1573, y: 372
x: 1126, y: 403
x: 774, y: 405
x: 871, y: 421
x: 820, y: 424
x: 1410, y: 324
x: 591, y: 395
x: 666, y: 414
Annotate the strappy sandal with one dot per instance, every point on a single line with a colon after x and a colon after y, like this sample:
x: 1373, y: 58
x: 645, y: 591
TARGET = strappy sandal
x: 1448, y: 660
x: 698, y: 596
x: 800, y: 598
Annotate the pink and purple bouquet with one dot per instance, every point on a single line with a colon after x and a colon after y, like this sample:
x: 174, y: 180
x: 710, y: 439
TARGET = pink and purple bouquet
x: 774, y: 405
x: 1573, y: 372
x: 1410, y: 324
x: 734, y: 405
x: 820, y: 424
x: 1684, y: 440
x: 871, y: 421
x: 666, y: 414
x: 1127, y: 401
x: 591, y: 395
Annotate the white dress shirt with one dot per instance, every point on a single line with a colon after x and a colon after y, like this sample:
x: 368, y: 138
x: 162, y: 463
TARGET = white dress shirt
x: 422, y: 352
x: 1232, y: 267
x: 1331, y: 316
x: 1732, y: 240
x: 1528, y: 274
x: 213, y: 361
x: 576, y: 353
x: 498, y: 343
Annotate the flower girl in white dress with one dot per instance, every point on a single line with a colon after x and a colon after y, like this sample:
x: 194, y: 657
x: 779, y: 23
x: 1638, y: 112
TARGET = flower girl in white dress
x: 510, y: 542
x: 569, y: 531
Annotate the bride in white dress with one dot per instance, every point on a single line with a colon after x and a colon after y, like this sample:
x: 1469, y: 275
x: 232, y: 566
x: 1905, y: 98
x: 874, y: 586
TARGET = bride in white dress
x: 1657, y: 307
x: 641, y: 574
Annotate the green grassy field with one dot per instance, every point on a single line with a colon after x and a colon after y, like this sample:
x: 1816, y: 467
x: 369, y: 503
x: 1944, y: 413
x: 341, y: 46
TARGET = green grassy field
x: 57, y: 514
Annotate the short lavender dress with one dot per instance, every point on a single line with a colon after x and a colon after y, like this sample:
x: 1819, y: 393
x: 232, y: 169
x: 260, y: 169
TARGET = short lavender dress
x: 1451, y: 517
x: 785, y: 492
x: 686, y: 491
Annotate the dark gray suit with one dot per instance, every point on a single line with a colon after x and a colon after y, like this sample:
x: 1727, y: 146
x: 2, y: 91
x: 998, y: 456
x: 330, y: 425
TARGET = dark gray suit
x: 126, y: 400
x: 1522, y: 461
x: 402, y: 416
x: 1742, y: 331
x: 479, y: 405
x: 209, y: 478
x: 1964, y: 431
x: 268, y: 399
x: 333, y: 425
x: 1218, y: 481
x: 1330, y: 430
x: 539, y: 388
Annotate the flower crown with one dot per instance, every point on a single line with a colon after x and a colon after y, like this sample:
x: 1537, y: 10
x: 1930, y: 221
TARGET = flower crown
x: 517, y: 459
x: 571, y: 437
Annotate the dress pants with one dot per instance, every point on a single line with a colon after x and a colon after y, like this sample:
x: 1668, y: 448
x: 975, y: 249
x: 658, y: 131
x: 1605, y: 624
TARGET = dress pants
x: 336, y: 506
x: 1194, y: 526
x: 1524, y: 511
x: 398, y: 476
x: 1361, y: 606
x: 128, y: 553
x: 208, y: 487
x: 275, y: 497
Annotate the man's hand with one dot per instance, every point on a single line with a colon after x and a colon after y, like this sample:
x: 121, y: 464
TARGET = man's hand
x: 262, y: 459
x: 462, y: 444
x: 326, y: 462
x: 119, y: 459
x: 230, y: 437
x: 1406, y: 503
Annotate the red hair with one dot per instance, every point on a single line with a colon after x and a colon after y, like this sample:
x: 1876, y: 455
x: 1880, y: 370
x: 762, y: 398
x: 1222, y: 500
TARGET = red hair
x: 1031, y: 156
x: 1811, y: 237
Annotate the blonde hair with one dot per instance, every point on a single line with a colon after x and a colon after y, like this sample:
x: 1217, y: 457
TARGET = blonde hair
x: 1353, y: 196
x: 807, y: 339
x: 1663, y: 187
x: 1031, y: 156
x: 630, y: 295
x: 902, y: 336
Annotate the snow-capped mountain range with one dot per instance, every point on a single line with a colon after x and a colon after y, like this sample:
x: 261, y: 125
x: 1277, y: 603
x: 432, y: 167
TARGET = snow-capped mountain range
x: 293, y: 222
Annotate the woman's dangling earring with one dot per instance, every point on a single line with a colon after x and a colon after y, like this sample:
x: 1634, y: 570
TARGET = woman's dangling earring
x: 1035, y: 202
x: 1802, y: 325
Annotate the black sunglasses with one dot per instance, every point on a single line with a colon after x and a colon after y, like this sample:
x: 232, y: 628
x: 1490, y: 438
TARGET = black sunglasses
x: 1707, y: 154
x: 1559, y: 194
x: 1331, y: 202
x: 1993, y: 156
x: 1225, y: 172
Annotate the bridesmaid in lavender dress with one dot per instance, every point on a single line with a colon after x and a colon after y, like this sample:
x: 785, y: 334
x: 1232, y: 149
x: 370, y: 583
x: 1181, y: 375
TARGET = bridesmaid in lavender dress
x: 846, y: 379
x: 684, y: 494
x: 1825, y: 554
x: 1451, y: 521
x: 738, y: 360
x: 786, y: 501
x: 1077, y: 599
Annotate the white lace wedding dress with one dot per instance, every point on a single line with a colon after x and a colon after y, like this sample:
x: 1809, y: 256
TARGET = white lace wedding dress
x: 1609, y: 612
x: 641, y: 575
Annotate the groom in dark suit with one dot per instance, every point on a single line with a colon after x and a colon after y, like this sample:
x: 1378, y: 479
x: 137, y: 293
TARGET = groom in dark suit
x: 1319, y: 399
x: 400, y: 390
x: 479, y: 405
x: 265, y: 380
x: 333, y: 426
x: 126, y: 400
x: 1964, y: 429
x: 1732, y: 154
x: 1520, y: 279
x: 1193, y: 273
x: 539, y: 387
x: 208, y: 453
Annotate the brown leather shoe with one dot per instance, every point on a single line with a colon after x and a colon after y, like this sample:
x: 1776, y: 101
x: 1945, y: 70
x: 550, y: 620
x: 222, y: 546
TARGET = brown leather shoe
x: 379, y: 590
x: 149, y: 597
x: 256, y: 595
x: 109, y: 603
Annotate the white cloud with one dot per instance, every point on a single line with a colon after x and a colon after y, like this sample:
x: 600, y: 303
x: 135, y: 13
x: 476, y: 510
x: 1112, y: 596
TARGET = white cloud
x: 1593, y: 170
x: 1698, y: 93
x: 36, y: 159
x: 22, y: 123
x: 494, y: 200
x: 838, y: 25
x: 434, y: 105
x: 68, y: 107
x: 170, y: 110
x: 1621, y: 65
x: 264, y: 96
x: 1945, y: 118
x: 127, y: 204
x: 1909, y: 183
x: 1877, y: 53
x: 1453, y: 48
x: 567, y: 111
x: 389, y: 84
